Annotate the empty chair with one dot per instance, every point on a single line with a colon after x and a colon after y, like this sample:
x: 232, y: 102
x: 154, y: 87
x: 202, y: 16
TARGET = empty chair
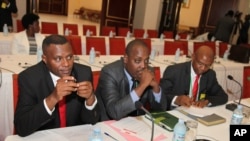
x: 96, y: 75
x: 223, y: 46
x: 168, y: 34
x: 91, y: 28
x: 106, y: 30
x: 157, y: 73
x: 208, y: 43
x: 15, y: 93
x: 170, y: 47
x: 138, y: 33
x: 147, y: 41
x: 72, y: 27
x: 19, y: 25
x: 183, y: 35
x: 49, y: 28
x: 122, y: 31
x: 76, y: 44
x: 117, y: 46
x: 152, y: 33
x: 97, y: 42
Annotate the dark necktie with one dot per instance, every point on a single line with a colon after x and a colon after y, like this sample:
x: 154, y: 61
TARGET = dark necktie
x: 195, y: 87
x: 62, y: 112
x: 135, y: 84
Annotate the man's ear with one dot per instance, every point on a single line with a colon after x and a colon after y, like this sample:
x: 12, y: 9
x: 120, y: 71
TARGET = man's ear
x: 44, y: 59
x: 125, y: 59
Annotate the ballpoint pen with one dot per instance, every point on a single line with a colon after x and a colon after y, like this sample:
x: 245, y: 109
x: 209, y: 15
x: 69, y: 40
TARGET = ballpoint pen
x: 110, y: 136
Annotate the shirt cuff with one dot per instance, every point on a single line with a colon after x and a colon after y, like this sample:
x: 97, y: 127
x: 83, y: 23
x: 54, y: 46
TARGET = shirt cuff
x: 92, y: 106
x: 172, y: 103
x: 47, y: 108
x: 134, y: 96
x: 157, y: 96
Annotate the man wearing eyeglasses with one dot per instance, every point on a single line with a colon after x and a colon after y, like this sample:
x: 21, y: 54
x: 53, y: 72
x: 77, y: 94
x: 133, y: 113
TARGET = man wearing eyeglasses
x: 193, y: 82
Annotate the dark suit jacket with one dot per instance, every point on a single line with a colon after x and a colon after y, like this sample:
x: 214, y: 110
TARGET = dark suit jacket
x: 113, y: 88
x: 5, y: 14
x: 35, y: 84
x: 224, y: 28
x: 176, y: 81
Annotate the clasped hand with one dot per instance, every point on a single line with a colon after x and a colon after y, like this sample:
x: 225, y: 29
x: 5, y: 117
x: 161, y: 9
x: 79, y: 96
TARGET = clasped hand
x: 185, y: 100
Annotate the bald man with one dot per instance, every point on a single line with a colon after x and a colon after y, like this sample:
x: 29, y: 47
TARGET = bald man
x: 179, y: 81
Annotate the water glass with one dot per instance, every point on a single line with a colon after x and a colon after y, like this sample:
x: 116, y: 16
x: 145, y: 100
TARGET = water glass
x: 191, y: 133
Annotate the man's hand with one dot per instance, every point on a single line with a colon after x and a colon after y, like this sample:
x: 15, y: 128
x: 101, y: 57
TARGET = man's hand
x: 201, y: 103
x: 85, y: 90
x: 183, y: 100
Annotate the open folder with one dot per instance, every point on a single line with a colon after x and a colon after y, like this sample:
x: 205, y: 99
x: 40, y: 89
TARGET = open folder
x: 164, y: 119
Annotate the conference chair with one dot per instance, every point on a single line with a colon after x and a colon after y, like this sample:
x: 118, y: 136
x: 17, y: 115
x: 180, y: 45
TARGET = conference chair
x: 91, y: 28
x: 246, y: 82
x: 147, y: 41
x: 49, y: 28
x: 152, y: 33
x: 15, y: 92
x: 19, y: 25
x: 122, y: 31
x: 138, y: 33
x: 168, y: 34
x: 157, y: 73
x: 183, y: 35
x: 76, y: 44
x: 106, y: 30
x: 223, y: 46
x: 98, y: 43
x: 96, y: 75
x: 72, y: 27
x: 117, y: 46
x: 170, y: 47
x: 207, y: 43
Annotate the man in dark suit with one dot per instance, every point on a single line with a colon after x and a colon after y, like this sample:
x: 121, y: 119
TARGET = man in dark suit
x: 116, y: 85
x: 178, y: 82
x: 53, y: 83
x: 7, y: 7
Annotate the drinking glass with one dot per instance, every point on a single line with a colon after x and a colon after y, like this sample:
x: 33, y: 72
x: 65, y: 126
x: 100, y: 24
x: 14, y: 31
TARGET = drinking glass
x: 191, y: 133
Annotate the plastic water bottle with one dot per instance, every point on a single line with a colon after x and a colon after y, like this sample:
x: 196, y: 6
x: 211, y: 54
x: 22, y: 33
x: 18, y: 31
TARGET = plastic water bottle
x: 162, y: 37
x: 180, y: 130
x: 177, y: 54
x: 226, y: 53
x: 237, y: 115
x: 152, y: 55
x: 5, y: 30
x: 66, y: 32
x: 92, y: 55
x: 39, y: 54
x: 177, y: 37
x: 88, y: 33
x: 96, y: 135
x: 145, y: 35
x: 111, y: 34
x: 128, y: 34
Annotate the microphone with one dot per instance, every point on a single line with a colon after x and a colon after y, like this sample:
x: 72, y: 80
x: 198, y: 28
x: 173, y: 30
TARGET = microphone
x: 138, y: 106
x: 233, y: 106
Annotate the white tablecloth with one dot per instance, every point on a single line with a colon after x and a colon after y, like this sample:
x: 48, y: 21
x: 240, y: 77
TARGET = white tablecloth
x: 14, y: 64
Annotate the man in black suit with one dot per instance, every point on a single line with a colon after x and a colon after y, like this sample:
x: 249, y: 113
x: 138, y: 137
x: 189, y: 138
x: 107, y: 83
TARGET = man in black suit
x: 7, y: 7
x: 179, y: 80
x: 53, y: 82
x: 116, y: 89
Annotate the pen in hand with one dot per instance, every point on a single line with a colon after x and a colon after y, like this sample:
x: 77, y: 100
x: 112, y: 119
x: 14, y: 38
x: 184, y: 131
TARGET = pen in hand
x: 110, y: 136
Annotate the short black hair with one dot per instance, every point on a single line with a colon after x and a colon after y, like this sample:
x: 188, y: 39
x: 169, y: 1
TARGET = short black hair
x: 54, y: 39
x: 134, y: 43
x: 29, y: 19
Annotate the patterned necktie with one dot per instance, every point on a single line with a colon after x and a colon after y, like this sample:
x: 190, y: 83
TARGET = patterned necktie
x: 62, y: 112
x: 195, y: 87
x: 135, y: 84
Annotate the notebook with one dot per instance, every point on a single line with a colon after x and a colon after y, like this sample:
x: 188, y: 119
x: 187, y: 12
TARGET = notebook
x: 164, y: 119
x: 212, y: 119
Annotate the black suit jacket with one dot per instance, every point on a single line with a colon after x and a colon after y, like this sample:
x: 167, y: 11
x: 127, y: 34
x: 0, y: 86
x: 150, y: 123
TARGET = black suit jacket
x: 35, y: 84
x: 5, y: 14
x: 113, y: 88
x: 176, y: 81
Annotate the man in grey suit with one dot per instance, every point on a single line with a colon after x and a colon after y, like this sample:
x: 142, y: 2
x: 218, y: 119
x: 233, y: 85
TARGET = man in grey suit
x: 224, y: 27
x: 115, y: 84
x: 179, y: 80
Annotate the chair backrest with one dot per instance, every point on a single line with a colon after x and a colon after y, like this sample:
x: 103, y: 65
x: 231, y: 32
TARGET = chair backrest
x: 76, y: 44
x: 91, y: 28
x: 122, y: 31
x: 98, y: 43
x: 170, y: 47
x: 15, y: 93
x: 168, y: 34
x: 117, y: 46
x: 138, y: 33
x: 157, y: 73
x: 246, y: 82
x: 148, y: 42
x: 106, y: 30
x: 223, y: 46
x: 152, y: 33
x: 19, y: 25
x: 96, y: 75
x: 49, y: 28
x: 183, y: 35
x: 208, y: 43
x: 72, y: 27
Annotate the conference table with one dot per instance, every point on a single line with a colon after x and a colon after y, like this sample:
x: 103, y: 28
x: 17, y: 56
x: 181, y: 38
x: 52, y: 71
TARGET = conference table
x: 156, y: 43
x: 16, y: 63
x: 138, y: 129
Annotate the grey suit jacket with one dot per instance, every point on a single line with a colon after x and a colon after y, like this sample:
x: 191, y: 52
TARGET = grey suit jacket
x: 113, y: 88
x: 176, y: 81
